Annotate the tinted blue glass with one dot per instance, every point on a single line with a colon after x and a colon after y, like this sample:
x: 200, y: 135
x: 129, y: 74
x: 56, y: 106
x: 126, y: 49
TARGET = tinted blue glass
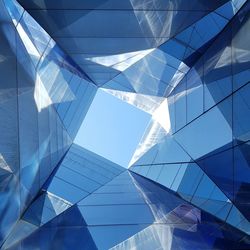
x: 154, y: 171
x: 219, y: 167
x: 194, y: 95
x: 39, y: 37
x: 122, y: 214
x: 81, y: 172
x: 241, y: 178
x: 69, y: 192
x: 112, y: 199
x: 123, y: 188
x: 240, y: 108
x: 168, y: 174
x: 169, y: 151
x: 76, y: 178
x: 180, y: 105
x: 109, y: 236
x: 14, y: 9
x: 179, y: 176
x: 204, y: 135
x: 240, y: 50
x: 187, y: 188
x: 190, y: 187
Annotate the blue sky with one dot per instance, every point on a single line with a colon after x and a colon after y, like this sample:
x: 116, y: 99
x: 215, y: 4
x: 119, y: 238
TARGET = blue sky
x: 112, y: 128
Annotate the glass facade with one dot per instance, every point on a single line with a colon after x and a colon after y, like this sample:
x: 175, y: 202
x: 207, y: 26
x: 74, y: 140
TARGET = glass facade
x: 186, y: 63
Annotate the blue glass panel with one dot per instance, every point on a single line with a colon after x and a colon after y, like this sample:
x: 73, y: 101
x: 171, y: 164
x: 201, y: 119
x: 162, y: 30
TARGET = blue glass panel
x: 241, y: 178
x: 107, y: 236
x: 203, y: 191
x: 179, y: 176
x: 168, y: 174
x: 197, y: 57
x: 125, y: 5
x: 194, y: 95
x: 28, y: 126
x: 241, y: 114
x: 69, y: 192
x: 77, y: 179
x: 186, y: 188
x: 219, y: 167
x: 112, y: 199
x: 112, y: 214
x: 117, y: 189
x: 169, y: 151
x: 143, y: 170
x: 240, y: 48
x: 226, y: 10
x: 154, y: 172
x: 22, y: 230
x: 204, y: 135
x: 15, y: 10
x: 180, y: 104
x: 38, y: 36
x: 65, y: 231
x: 148, y: 157
x: 8, y: 93
x: 44, y: 145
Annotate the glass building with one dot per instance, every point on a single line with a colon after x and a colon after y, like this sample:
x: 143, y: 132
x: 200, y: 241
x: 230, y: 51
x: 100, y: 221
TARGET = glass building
x: 186, y: 63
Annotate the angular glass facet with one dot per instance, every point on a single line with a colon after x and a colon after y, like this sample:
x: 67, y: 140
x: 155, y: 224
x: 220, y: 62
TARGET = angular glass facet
x: 183, y: 65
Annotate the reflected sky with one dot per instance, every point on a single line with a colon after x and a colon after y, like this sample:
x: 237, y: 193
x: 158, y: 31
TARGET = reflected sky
x: 112, y: 128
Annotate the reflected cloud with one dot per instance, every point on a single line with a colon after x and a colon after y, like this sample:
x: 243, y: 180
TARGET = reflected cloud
x: 147, y: 103
x: 41, y: 96
x: 159, y: 125
x: 178, y: 76
x: 121, y: 61
x: 160, y: 235
x: 153, y: 134
x: 154, y: 105
x: 158, y: 23
x: 2, y: 58
x: 184, y: 216
x: 58, y: 203
x: 152, y: 237
x: 158, y: 128
x: 242, y: 56
x: 237, y: 4
x: 4, y: 165
x: 56, y: 85
x: 161, y: 115
x: 224, y: 59
x: 30, y: 47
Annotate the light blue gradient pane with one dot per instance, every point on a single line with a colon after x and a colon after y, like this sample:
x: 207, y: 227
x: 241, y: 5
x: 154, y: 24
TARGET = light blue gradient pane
x: 112, y: 128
